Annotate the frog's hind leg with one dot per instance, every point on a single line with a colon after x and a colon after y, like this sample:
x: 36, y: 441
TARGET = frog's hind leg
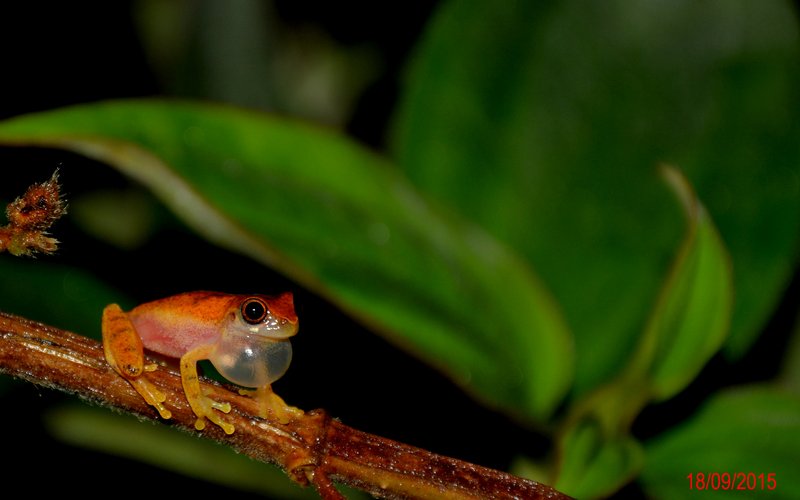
x: 202, y: 405
x: 153, y: 396
x: 271, y: 403
x: 125, y: 353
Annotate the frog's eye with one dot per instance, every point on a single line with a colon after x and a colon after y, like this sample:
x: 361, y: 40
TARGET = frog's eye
x: 254, y: 310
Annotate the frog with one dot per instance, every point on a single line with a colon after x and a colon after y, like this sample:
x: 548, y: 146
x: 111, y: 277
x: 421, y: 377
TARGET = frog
x: 245, y: 337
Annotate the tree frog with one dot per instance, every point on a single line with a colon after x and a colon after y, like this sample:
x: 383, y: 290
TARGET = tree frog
x: 246, y: 338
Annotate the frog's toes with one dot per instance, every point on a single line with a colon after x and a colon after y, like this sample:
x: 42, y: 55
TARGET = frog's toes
x: 152, y: 395
x: 163, y: 411
x: 286, y: 413
x: 200, y: 423
x: 223, y: 407
x: 209, y: 403
x: 271, y: 403
x: 207, y: 409
x: 226, y: 426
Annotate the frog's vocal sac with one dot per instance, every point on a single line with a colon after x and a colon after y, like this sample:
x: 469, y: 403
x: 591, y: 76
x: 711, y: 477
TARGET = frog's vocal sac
x: 246, y: 338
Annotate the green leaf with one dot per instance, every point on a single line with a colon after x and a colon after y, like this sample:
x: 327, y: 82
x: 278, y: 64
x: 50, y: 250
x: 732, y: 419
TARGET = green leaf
x: 691, y: 319
x: 341, y: 221
x: 748, y: 429
x: 542, y: 121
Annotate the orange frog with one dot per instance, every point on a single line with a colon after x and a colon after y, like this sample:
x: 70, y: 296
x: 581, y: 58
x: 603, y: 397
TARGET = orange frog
x: 246, y: 338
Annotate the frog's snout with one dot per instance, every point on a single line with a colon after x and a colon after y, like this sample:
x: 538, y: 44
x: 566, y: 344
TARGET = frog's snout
x: 282, y: 307
x: 285, y: 329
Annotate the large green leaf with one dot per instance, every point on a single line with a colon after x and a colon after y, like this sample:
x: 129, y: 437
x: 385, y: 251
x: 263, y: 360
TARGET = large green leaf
x: 745, y: 430
x: 543, y: 122
x: 338, y: 219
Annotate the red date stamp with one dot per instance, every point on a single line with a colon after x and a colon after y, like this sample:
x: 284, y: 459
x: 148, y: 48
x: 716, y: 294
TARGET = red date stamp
x: 733, y: 481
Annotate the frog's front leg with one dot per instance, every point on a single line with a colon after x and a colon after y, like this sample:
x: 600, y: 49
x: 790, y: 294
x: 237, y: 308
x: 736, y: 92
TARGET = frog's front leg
x: 202, y: 405
x: 124, y: 352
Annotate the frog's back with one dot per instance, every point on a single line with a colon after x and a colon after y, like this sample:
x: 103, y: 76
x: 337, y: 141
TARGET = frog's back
x: 177, y: 324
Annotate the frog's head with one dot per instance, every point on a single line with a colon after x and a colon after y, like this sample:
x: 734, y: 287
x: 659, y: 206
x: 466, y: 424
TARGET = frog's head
x: 271, y: 317
x: 253, y: 348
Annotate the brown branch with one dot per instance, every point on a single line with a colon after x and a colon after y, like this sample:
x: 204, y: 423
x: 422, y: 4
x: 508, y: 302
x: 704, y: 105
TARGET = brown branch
x: 311, y: 448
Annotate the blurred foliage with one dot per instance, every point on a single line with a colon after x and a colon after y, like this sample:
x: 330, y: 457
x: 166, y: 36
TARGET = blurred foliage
x: 61, y: 296
x: 747, y: 429
x: 553, y: 115
x: 95, y: 428
x: 238, y: 52
x: 517, y: 236
x: 124, y: 218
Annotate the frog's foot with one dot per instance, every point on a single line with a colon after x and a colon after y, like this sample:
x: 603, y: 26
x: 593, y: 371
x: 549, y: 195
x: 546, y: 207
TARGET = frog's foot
x: 206, y: 408
x: 151, y: 394
x: 149, y: 391
x: 271, y: 403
